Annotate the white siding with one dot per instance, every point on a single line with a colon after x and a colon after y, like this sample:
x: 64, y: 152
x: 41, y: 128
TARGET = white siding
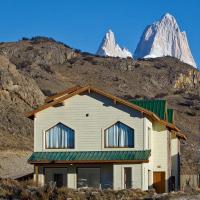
x: 175, y: 150
x: 118, y: 176
x: 89, y: 131
x: 71, y: 177
x: 160, y: 152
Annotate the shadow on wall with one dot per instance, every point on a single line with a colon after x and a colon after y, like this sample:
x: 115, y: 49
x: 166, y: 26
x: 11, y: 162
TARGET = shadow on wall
x: 109, y: 103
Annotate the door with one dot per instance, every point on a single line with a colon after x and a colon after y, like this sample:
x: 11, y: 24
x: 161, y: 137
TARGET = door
x: 159, y: 181
x: 127, y: 177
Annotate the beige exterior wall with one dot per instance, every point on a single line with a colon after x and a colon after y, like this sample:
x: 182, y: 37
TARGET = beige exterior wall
x: 175, y: 153
x: 89, y: 131
x: 118, y: 176
x: 160, y: 151
x: 89, y: 136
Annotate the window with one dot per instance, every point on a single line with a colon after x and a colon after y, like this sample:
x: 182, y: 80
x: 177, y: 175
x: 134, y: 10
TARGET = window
x: 58, y: 179
x: 119, y: 135
x: 127, y: 177
x: 88, y: 177
x: 60, y: 137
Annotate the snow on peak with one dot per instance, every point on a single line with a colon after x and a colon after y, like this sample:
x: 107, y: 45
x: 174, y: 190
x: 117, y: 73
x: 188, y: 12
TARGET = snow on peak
x: 164, y: 38
x: 109, y: 47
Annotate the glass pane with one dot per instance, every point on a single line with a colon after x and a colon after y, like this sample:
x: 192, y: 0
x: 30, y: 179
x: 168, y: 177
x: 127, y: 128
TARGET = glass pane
x: 58, y: 178
x: 60, y: 136
x: 128, y: 177
x: 89, y: 177
x: 119, y: 135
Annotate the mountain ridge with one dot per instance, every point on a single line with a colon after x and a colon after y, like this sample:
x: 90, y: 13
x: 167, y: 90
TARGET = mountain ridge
x: 52, y: 67
x: 164, y: 38
x: 109, y: 47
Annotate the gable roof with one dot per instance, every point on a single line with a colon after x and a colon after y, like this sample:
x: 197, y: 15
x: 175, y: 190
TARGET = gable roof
x: 156, y: 106
x: 59, y: 98
x: 58, y: 95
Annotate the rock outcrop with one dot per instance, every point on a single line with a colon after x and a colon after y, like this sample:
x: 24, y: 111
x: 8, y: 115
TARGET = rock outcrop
x: 18, y: 94
x: 164, y: 38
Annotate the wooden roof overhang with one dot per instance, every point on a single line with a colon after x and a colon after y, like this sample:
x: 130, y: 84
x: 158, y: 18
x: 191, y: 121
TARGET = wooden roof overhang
x: 60, y: 97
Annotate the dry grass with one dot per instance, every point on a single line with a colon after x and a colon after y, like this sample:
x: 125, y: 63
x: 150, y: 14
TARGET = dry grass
x: 11, y: 189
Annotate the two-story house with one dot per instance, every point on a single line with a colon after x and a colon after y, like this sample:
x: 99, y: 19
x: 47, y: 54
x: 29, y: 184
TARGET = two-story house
x: 85, y: 137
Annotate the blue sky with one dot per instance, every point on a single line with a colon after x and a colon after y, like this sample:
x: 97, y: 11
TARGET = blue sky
x: 82, y: 23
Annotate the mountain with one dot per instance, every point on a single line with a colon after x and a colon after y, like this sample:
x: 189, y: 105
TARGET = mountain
x: 164, y: 38
x: 31, y: 69
x: 110, y: 48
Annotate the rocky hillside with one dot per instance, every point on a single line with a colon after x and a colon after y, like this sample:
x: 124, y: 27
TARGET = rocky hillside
x: 33, y: 68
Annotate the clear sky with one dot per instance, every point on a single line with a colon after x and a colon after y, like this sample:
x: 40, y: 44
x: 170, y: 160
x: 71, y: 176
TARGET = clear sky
x: 82, y: 23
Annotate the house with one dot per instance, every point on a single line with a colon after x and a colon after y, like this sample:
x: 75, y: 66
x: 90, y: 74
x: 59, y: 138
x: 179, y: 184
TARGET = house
x: 85, y: 137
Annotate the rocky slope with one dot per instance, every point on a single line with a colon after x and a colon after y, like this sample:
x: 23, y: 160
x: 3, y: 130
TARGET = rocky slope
x: 164, y: 38
x: 28, y: 72
x: 109, y: 47
x: 18, y: 93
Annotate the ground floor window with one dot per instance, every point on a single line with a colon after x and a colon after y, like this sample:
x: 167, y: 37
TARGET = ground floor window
x: 88, y: 177
x: 58, y: 179
x: 127, y: 177
x: 56, y: 175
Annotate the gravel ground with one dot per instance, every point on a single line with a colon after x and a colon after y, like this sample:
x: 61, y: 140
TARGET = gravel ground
x: 13, y: 163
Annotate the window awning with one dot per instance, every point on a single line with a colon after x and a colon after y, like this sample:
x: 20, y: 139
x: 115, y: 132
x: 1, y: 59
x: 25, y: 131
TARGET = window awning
x: 90, y: 157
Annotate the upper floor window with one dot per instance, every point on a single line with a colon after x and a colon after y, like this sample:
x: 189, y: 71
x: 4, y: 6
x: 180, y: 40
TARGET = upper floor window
x: 119, y: 135
x: 59, y: 137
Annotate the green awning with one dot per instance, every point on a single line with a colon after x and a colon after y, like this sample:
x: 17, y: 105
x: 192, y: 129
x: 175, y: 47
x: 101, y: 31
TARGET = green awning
x: 156, y: 106
x: 90, y: 156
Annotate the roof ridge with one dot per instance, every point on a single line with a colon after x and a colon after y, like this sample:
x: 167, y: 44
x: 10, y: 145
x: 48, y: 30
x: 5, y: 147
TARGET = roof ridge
x: 116, y: 100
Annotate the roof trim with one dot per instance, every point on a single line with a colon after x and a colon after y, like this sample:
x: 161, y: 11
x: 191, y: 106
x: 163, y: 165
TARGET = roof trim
x: 60, y: 97
x: 180, y: 135
x: 68, y: 91
x: 87, y: 161
x: 56, y: 100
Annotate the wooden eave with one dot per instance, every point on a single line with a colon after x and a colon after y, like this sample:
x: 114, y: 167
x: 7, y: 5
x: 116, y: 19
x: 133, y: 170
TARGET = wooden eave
x: 88, y: 161
x: 62, y: 96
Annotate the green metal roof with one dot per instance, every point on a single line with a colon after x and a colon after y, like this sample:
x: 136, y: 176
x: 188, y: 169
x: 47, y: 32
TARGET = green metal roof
x: 156, y: 106
x: 90, y: 156
x: 170, y: 115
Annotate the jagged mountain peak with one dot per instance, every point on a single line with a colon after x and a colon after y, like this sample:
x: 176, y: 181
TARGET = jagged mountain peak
x: 109, y: 47
x: 164, y: 38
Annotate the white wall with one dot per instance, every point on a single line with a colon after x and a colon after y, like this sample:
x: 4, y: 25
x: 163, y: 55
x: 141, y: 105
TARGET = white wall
x: 175, y: 151
x: 160, y: 151
x: 89, y: 131
x: 118, y: 175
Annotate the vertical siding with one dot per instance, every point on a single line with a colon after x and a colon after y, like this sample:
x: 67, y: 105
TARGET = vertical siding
x: 89, y: 131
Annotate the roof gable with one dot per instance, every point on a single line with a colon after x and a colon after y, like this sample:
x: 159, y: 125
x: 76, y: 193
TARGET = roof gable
x: 59, y: 98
